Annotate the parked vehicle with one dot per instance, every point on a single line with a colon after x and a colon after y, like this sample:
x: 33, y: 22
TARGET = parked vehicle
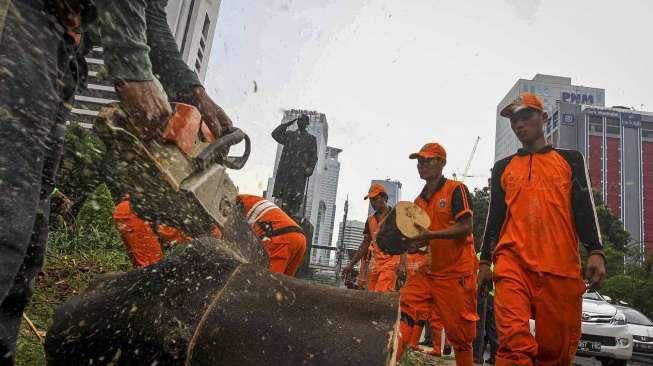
x: 604, y: 331
x: 641, y: 327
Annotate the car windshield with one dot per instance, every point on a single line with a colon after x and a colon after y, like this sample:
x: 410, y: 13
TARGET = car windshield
x: 593, y: 296
x: 635, y: 317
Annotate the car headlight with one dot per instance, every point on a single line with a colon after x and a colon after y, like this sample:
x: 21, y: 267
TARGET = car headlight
x: 619, y: 319
x: 622, y: 342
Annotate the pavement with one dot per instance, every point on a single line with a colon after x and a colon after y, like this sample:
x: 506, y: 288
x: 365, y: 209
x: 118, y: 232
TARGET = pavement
x: 424, y: 359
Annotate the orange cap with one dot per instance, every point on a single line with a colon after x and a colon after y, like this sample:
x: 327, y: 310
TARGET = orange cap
x: 525, y: 100
x: 430, y: 150
x: 375, y: 190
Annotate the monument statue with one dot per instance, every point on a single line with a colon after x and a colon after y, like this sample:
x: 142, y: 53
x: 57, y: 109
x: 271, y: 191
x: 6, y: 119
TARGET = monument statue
x: 297, y: 163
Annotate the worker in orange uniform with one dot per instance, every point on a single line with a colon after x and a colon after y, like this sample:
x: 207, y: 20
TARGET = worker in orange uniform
x: 541, y: 207
x: 449, y: 283
x: 382, y: 268
x: 141, y: 240
x: 283, y: 239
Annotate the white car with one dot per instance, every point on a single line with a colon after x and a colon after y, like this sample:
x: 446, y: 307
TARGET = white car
x: 641, y: 328
x: 604, y: 331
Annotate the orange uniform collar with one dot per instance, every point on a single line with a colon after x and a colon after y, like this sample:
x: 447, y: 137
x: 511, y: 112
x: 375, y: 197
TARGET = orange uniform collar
x: 544, y: 150
x: 441, y: 183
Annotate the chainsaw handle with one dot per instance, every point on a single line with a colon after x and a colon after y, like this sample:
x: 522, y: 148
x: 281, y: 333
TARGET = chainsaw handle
x: 214, y: 152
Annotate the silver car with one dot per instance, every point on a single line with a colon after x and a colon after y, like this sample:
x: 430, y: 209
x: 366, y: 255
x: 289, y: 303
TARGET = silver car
x: 641, y: 328
x: 605, y: 334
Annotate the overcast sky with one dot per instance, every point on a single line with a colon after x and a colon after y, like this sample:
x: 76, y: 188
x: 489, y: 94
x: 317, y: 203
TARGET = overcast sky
x: 393, y: 75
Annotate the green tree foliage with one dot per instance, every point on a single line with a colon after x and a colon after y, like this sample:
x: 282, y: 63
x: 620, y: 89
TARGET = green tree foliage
x: 629, y: 277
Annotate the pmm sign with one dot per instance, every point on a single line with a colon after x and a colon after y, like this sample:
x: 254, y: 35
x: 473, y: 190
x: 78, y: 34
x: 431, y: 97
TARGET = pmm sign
x: 575, y: 98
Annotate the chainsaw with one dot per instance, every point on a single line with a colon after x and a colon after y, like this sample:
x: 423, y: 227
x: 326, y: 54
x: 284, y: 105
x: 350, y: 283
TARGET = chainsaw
x: 178, y: 178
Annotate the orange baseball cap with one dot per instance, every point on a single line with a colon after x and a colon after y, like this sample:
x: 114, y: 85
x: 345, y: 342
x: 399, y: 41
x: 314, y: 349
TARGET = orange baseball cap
x: 430, y: 150
x: 375, y: 190
x: 525, y: 100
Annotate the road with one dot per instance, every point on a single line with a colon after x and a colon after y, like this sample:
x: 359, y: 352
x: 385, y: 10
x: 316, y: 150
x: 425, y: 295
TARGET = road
x: 422, y: 359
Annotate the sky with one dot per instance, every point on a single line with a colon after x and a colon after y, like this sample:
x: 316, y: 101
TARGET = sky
x: 391, y: 75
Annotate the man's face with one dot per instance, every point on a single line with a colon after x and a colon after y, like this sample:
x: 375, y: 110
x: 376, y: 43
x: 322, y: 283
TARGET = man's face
x: 430, y: 168
x: 303, y: 122
x: 379, y: 202
x: 528, y: 125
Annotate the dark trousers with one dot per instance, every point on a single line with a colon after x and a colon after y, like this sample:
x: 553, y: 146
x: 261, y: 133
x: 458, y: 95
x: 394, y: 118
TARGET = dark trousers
x: 486, y: 332
x: 30, y: 147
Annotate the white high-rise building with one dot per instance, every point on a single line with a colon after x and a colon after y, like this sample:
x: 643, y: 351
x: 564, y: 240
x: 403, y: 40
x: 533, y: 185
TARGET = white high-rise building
x: 393, y: 187
x: 551, y: 89
x: 328, y: 188
x: 353, y: 237
x: 193, y: 25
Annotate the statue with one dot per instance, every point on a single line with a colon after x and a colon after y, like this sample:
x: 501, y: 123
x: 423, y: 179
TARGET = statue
x: 296, y: 165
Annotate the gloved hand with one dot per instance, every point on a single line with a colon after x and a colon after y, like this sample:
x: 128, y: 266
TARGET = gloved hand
x: 147, y: 103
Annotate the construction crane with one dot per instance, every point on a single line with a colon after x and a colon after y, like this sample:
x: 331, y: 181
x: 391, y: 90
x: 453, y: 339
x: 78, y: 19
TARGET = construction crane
x: 469, y: 161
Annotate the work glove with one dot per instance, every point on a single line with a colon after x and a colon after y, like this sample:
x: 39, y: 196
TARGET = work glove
x: 147, y: 103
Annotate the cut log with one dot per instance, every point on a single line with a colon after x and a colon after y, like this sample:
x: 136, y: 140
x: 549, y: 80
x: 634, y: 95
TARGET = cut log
x: 210, y: 306
x: 399, y: 225
x: 409, y: 215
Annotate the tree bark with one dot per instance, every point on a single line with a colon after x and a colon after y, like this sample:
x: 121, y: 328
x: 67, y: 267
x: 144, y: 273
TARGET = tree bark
x: 211, y: 306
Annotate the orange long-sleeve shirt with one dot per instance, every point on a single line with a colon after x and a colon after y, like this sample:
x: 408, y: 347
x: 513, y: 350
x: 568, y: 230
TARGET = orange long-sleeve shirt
x: 541, y: 207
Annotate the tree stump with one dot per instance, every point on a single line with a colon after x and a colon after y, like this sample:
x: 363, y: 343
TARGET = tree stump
x: 211, y: 306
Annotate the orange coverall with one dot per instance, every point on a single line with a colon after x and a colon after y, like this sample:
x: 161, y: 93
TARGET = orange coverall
x: 382, y: 271
x: 448, y: 285
x: 139, y: 238
x: 283, y: 239
x: 142, y: 242
x: 416, y: 262
x: 541, y: 207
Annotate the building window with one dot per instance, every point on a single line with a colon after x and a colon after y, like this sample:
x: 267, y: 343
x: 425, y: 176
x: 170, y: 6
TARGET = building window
x: 206, y: 26
x: 187, y: 28
x: 612, y: 126
x: 595, y: 125
x: 647, y: 135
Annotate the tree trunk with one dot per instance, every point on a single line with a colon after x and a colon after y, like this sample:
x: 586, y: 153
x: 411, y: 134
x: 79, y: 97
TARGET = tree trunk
x: 210, y: 306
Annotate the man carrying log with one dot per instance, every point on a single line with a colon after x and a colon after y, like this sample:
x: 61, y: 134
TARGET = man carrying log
x: 449, y: 282
x: 541, y: 207
x: 283, y: 239
x: 382, y: 268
